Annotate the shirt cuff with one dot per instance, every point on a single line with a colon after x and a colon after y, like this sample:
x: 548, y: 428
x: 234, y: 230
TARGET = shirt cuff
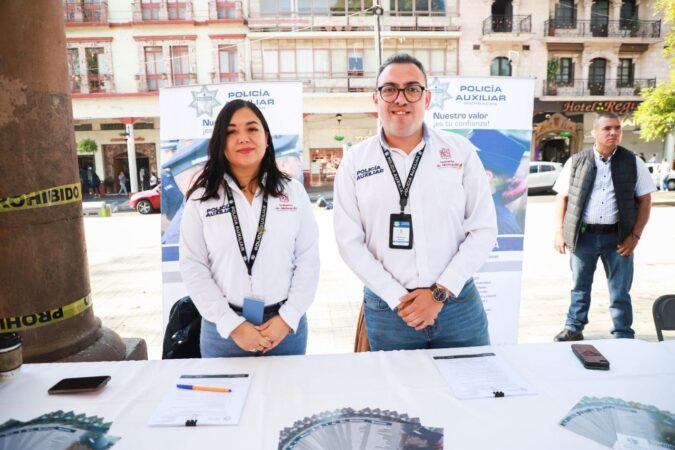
x: 290, y: 315
x: 392, y: 296
x: 228, y: 323
x: 453, y: 282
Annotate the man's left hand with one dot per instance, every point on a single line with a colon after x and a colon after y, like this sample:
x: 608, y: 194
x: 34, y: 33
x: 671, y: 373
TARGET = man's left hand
x: 418, y: 309
x: 274, y: 330
x: 627, y: 246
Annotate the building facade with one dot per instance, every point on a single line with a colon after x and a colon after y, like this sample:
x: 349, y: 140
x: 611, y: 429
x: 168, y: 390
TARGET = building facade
x: 587, y: 56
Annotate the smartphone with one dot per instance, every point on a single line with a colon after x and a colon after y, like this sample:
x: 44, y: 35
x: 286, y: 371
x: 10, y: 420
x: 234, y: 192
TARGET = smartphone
x: 82, y: 384
x: 590, y: 357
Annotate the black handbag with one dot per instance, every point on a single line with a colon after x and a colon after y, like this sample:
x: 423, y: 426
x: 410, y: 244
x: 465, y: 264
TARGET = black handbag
x: 181, y: 337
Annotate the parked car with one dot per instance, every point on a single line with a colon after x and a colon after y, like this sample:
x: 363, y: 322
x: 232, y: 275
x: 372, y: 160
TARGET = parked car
x: 542, y: 176
x: 655, y: 172
x: 148, y: 201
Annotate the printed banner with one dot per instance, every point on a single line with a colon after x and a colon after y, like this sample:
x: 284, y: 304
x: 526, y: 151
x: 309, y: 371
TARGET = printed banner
x: 496, y: 115
x: 187, y: 117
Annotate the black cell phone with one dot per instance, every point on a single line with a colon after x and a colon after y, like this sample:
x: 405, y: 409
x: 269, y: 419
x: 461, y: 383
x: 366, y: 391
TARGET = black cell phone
x: 590, y: 357
x: 82, y: 384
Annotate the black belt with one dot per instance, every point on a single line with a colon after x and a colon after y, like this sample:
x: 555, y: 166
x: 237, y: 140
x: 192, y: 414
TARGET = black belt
x: 271, y: 309
x: 600, y: 228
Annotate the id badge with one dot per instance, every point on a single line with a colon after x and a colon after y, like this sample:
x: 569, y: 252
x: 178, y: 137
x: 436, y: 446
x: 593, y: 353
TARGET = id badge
x: 400, y: 231
x: 253, y: 310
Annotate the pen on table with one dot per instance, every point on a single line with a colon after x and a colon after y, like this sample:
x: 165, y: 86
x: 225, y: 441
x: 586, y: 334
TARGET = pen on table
x: 203, y: 388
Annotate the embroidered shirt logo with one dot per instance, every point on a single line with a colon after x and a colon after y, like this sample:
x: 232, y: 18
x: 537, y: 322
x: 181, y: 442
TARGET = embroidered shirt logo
x: 285, y: 203
x: 363, y: 173
x: 446, y: 159
x: 217, y: 211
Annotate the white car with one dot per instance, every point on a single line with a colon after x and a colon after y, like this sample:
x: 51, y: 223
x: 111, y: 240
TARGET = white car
x: 542, y: 176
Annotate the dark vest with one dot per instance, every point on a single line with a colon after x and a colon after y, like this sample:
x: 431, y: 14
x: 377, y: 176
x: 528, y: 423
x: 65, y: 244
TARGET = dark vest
x: 582, y: 177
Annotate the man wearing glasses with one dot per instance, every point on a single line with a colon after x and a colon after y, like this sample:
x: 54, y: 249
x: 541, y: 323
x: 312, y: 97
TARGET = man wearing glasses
x: 414, y: 219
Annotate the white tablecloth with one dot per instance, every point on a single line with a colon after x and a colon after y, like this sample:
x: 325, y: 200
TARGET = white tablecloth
x: 286, y: 389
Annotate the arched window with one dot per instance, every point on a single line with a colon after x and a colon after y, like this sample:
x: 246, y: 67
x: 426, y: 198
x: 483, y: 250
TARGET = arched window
x: 501, y: 67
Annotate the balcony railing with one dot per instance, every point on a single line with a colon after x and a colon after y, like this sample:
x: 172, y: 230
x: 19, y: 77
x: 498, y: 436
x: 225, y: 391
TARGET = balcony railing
x: 91, y: 83
x: 606, y: 88
x: 399, y: 22
x: 326, y: 82
x: 613, y: 28
x: 86, y: 12
x: 507, y: 24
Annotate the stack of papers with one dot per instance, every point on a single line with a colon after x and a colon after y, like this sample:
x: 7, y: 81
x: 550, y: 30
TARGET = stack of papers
x: 57, y: 431
x: 622, y: 425
x: 347, y: 429
x: 185, y: 407
x: 481, y: 375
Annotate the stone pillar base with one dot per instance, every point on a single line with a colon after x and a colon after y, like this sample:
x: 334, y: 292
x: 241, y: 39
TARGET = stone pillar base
x: 110, y: 347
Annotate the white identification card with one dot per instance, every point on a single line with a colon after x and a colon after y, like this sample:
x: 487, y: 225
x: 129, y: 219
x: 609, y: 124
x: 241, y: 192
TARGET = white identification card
x: 400, y: 231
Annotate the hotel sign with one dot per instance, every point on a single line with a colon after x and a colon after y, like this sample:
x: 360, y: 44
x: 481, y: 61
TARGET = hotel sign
x: 621, y: 108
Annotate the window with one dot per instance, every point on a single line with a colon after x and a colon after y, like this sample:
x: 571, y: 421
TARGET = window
x: 85, y: 11
x: 566, y: 14
x: 227, y: 63
x: 417, y: 7
x: 150, y: 9
x: 565, y: 74
x: 227, y: 10
x: 437, y: 56
x: 546, y: 168
x: 501, y: 67
x: 355, y: 63
x: 625, y: 73
x: 74, y: 69
x: 180, y: 65
x: 154, y: 68
x: 96, y: 68
x: 534, y: 168
x: 629, y: 15
x: 275, y: 7
x: 177, y: 10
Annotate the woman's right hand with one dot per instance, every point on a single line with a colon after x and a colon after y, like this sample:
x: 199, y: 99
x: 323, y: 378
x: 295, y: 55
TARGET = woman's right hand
x: 249, y: 339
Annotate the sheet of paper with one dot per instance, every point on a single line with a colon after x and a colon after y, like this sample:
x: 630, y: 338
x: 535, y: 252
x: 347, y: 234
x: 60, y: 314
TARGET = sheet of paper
x: 481, y: 375
x: 206, y: 408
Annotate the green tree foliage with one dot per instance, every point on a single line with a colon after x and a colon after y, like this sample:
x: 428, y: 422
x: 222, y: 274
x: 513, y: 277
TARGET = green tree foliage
x: 656, y: 114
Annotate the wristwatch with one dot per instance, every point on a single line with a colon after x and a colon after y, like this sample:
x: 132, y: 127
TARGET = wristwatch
x: 440, y: 293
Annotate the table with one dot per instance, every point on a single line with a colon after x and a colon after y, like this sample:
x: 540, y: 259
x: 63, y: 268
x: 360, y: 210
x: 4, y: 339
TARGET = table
x: 286, y: 389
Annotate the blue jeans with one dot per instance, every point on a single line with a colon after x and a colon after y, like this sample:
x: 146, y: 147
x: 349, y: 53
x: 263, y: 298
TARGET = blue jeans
x: 619, y: 270
x: 213, y: 345
x: 462, y: 322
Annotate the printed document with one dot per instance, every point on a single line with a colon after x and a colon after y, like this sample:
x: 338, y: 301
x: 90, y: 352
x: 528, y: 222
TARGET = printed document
x: 186, y: 407
x: 481, y: 375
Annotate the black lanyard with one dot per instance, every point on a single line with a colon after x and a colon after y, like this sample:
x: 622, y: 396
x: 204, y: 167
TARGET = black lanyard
x: 237, y: 229
x: 403, y: 192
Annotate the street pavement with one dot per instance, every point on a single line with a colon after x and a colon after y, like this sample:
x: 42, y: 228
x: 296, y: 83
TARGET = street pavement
x: 125, y: 273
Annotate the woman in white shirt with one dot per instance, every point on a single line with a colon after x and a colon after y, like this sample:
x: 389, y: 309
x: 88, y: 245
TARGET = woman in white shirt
x: 248, y: 243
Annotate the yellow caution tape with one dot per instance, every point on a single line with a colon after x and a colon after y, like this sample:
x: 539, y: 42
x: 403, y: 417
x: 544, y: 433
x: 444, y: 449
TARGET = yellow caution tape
x: 41, y: 319
x: 54, y: 196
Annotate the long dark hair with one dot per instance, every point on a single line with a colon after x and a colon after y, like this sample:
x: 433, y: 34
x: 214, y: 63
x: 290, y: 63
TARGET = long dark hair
x: 217, y: 164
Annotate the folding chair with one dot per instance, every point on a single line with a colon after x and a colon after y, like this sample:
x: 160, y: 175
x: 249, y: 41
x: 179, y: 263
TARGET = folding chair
x: 664, y: 314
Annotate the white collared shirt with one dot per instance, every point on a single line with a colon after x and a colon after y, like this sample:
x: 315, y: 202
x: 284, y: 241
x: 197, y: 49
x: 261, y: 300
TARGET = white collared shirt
x: 453, y: 215
x: 287, y: 265
x: 601, y: 208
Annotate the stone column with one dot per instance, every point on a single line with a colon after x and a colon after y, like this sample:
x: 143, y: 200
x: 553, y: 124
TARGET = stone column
x: 44, y: 276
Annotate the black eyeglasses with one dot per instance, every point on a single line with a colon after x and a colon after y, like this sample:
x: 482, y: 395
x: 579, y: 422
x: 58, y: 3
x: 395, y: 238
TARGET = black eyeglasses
x: 389, y: 93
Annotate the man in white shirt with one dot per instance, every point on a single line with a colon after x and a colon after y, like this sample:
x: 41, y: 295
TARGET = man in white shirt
x: 414, y: 219
x: 603, y: 205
